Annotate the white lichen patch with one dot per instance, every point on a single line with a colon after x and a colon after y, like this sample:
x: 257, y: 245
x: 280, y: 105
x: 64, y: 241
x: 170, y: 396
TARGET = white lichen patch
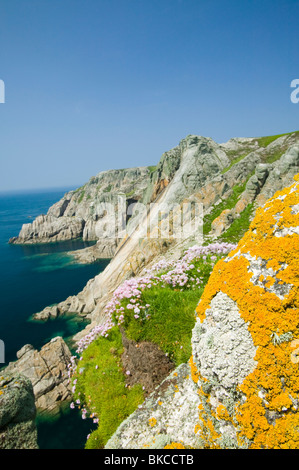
x: 261, y: 273
x: 223, y: 348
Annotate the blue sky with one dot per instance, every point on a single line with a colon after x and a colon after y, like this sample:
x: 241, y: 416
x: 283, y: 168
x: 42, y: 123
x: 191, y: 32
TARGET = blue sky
x: 98, y: 84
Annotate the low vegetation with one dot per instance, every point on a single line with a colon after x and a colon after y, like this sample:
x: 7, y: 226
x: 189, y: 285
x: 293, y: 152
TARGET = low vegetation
x: 158, y: 307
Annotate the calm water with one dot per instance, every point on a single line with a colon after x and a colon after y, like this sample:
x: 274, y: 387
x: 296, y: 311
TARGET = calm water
x: 31, y: 278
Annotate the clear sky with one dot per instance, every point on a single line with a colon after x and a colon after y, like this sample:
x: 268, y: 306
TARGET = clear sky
x: 92, y: 85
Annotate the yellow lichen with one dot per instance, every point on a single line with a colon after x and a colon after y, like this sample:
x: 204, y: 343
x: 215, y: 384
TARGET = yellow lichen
x: 273, y: 386
x: 152, y: 422
x: 175, y: 445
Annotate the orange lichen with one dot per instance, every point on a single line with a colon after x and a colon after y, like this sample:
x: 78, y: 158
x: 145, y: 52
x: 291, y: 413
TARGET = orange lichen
x: 222, y: 413
x: 194, y: 371
x: 269, y: 281
x: 175, y: 445
x: 273, y: 386
x: 152, y: 422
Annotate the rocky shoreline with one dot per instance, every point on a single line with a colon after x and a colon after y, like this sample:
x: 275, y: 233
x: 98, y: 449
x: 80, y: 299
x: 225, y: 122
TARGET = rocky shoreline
x: 47, y: 371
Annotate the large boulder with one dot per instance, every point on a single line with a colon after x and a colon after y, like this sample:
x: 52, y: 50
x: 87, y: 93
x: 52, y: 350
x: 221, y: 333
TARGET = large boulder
x: 17, y: 413
x: 47, y: 370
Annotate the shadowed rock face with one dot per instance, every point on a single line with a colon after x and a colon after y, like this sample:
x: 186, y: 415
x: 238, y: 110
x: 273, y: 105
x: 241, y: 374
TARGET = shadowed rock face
x: 17, y: 413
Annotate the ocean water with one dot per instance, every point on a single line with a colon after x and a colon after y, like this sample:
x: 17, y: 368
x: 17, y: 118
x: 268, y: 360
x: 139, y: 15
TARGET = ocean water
x: 31, y: 278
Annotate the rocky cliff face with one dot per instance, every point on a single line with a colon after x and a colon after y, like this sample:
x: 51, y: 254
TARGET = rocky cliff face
x: 82, y: 213
x: 240, y: 387
x: 196, y: 171
x: 17, y: 413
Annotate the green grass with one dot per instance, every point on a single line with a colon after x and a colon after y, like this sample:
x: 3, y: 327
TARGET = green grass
x: 233, y: 162
x: 172, y: 318
x: 172, y: 313
x: 152, y: 169
x: 103, y: 388
x: 229, y: 203
x: 265, y: 141
x: 130, y: 193
x: 239, y: 226
x: 169, y: 324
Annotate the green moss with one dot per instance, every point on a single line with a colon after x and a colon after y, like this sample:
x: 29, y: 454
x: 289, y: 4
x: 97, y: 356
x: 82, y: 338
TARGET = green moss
x: 79, y: 189
x: 152, y: 169
x: 108, y: 189
x: 101, y: 387
x: 274, y: 156
x: 130, y: 193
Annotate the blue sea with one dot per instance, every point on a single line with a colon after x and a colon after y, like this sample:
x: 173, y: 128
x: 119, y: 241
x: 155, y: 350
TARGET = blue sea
x: 31, y: 278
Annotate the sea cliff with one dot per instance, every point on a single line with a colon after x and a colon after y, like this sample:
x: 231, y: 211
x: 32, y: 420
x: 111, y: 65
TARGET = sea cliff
x: 230, y: 182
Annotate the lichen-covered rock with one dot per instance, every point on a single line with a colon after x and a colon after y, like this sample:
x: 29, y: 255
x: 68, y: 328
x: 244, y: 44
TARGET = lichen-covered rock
x: 168, y: 415
x: 245, y: 341
x: 17, y: 413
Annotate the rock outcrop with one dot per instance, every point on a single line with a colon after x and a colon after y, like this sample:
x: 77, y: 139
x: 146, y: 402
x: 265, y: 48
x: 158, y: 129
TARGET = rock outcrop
x: 82, y: 213
x: 241, y: 386
x: 47, y: 371
x: 17, y: 413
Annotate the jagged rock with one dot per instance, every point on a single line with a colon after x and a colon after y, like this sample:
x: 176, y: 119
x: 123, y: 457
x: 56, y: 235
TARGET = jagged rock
x: 17, y: 413
x: 222, y: 222
x: 134, y: 253
x: 46, y: 228
x: 103, y: 249
x: 81, y: 213
x: 47, y: 370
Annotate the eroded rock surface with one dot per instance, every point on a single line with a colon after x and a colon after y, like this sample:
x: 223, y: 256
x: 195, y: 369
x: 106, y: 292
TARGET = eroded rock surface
x: 47, y: 370
x: 17, y: 413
